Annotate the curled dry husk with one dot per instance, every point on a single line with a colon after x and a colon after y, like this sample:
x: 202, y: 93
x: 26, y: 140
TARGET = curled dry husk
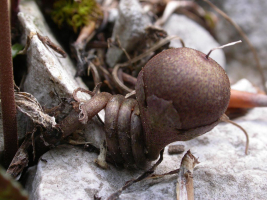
x: 29, y: 105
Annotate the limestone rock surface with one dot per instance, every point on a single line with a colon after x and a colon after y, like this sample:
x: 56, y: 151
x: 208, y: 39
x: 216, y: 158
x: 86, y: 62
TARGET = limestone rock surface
x: 129, y: 28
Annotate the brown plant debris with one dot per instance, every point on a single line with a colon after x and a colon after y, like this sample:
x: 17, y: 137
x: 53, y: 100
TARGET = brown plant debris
x: 143, y: 176
x: 29, y: 105
x: 185, y: 186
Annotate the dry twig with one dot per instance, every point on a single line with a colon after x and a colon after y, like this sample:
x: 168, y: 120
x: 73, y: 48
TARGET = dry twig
x: 145, y: 175
x: 137, y: 58
x: 185, y: 186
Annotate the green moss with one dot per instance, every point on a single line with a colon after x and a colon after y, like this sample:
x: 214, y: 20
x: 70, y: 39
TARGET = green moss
x: 15, y: 49
x: 75, y: 14
x: 210, y: 20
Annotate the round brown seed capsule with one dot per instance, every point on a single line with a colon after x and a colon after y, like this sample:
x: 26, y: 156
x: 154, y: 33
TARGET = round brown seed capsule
x: 181, y: 95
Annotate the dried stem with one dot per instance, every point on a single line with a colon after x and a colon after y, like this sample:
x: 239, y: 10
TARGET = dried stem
x: 137, y: 58
x: 21, y: 159
x: 7, y: 87
x: 97, y: 102
x: 123, y: 49
x: 130, y: 94
x: 225, y: 118
x: 221, y: 47
x: 172, y: 6
x: 185, y: 186
x: 118, y: 81
x: 86, y: 33
x: 96, y: 76
x: 241, y: 32
x: 129, y: 79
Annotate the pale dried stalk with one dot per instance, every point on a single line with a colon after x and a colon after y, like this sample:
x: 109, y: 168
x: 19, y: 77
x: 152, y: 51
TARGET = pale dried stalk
x: 185, y: 186
x: 87, y: 32
x: 172, y: 6
x: 221, y: 47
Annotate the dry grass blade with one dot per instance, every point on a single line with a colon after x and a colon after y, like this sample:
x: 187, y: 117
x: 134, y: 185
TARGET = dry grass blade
x: 241, y: 32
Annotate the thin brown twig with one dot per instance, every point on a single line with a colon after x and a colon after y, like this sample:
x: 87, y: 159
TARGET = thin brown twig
x: 241, y: 32
x: 46, y: 41
x: 123, y: 49
x: 117, y: 80
x: 92, y: 68
x: 162, y: 175
x: 137, y: 58
x: 21, y: 158
x: 129, y: 79
x: 143, y: 176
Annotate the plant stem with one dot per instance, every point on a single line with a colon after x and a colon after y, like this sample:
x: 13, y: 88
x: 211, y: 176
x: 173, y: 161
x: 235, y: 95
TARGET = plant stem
x: 185, y: 185
x: 7, y: 87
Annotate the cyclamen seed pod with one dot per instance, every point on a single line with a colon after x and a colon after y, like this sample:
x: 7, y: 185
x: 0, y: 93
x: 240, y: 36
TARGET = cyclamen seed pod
x: 182, y: 93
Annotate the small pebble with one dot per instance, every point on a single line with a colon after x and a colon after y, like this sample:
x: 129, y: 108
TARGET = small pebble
x: 176, y: 149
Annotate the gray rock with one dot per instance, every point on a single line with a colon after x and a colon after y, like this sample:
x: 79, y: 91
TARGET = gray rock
x: 27, y: 182
x: 250, y: 15
x: 129, y: 28
x: 68, y: 172
x: 244, y: 85
x: 47, y: 71
x: 194, y: 36
x: 113, y: 15
x: 224, y: 172
x: 50, y: 75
